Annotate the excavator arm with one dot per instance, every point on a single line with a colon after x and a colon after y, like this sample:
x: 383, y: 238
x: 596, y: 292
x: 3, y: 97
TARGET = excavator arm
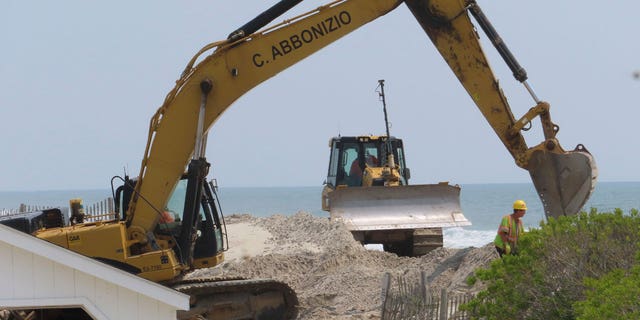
x: 564, y: 180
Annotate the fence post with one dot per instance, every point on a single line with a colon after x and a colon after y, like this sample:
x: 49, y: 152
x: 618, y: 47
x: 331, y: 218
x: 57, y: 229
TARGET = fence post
x: 443, y: 305
x: 386, y: 284
x: 423, y: 287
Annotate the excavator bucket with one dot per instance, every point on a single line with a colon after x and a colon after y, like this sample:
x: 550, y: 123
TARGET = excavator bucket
x: 397, y: 207
x: 564, y: 181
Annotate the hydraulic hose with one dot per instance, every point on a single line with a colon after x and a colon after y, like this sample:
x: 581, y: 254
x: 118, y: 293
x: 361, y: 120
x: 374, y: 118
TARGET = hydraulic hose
x: 263, y: 19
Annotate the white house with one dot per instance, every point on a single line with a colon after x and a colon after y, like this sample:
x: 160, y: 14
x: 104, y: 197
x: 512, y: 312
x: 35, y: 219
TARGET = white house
x: 35, y: 274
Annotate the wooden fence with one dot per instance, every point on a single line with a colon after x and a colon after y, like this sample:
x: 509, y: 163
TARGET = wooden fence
x: 99, y: 211
x: 414, y: 300
x: 23, y: 208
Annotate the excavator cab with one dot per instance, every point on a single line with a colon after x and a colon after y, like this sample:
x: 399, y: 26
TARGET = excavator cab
x: 209, y: 235
x: 209, y: 225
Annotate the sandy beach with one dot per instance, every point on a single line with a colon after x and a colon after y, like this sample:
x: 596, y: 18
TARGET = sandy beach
x: 333, y: 275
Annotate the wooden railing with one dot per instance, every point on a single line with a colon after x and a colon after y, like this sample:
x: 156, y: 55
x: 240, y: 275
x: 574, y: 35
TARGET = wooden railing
x: 23, y: 208
x: 99, y: 211
x: 414, y: 300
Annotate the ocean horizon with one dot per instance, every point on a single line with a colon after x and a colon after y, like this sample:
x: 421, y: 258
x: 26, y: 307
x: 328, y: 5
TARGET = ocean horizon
x: 482, y: 204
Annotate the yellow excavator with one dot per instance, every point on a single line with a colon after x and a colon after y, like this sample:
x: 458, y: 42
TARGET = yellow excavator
x: 142, y: 240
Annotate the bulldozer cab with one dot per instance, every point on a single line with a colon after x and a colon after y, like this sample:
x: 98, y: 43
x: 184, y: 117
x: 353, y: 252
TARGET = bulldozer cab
x: 351, y: 155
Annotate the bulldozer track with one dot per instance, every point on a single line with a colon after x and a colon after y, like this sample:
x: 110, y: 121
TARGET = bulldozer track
x: 425, y: 240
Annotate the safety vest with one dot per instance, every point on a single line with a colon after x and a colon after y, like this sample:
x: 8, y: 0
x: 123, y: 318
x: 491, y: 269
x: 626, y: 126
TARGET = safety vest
x: 513, y: 231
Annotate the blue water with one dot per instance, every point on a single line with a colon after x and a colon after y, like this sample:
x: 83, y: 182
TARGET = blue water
x: 482, y: 204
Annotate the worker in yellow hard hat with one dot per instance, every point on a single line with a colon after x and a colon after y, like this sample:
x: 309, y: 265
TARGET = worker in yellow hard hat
x: 510, y: 229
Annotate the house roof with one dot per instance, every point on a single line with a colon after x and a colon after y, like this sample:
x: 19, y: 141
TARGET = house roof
x: 93, y: 267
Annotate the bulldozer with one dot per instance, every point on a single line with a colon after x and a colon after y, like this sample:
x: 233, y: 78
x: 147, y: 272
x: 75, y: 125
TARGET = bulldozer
x: 367, y: 189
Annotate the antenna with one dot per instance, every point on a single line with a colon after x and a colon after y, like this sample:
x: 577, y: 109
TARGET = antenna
x: 389, y: 154
x: 384, y: 105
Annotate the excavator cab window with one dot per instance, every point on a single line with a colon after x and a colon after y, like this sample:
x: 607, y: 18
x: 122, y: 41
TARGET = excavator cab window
x: 209, y: 236
x: 176, y: 202
x: 170, y: 220
x: 210, y: 241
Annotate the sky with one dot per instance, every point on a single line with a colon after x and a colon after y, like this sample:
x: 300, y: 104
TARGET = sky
x: 80, y: 80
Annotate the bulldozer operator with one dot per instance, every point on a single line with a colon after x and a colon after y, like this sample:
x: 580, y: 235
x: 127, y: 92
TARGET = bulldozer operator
x: 356, y: 170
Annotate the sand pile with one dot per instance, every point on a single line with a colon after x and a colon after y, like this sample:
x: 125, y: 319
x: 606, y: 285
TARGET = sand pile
x: 333, y: 275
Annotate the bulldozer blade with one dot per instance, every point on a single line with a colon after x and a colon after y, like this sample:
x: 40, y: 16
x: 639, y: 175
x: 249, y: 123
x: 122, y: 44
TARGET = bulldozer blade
x: 397, y: 207
x: 564, y: 181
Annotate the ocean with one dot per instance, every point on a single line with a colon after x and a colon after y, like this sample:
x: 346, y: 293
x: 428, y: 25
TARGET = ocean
x: 482, y: 204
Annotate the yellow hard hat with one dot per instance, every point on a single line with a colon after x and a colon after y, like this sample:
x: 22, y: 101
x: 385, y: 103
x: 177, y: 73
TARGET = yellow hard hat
x: 519, y: 205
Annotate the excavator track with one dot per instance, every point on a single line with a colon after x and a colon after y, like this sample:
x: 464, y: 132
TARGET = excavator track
x: 237, y: 298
